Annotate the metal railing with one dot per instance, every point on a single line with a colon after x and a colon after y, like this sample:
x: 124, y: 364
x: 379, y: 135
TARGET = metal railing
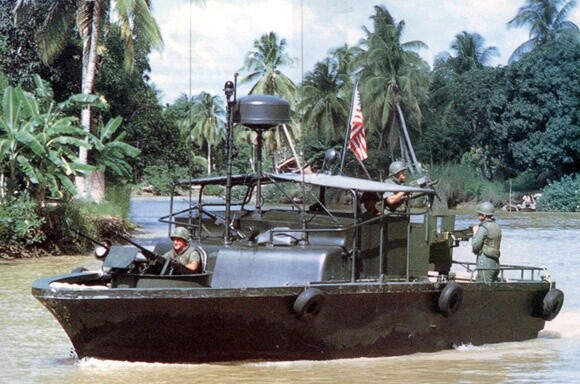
x: 509, y: 273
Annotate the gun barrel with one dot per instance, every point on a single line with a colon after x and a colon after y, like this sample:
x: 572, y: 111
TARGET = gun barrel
x: 85, y: 236
x: 150, y: 255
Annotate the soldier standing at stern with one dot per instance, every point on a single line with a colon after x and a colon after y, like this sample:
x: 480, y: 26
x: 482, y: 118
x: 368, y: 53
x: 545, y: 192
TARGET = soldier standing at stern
x: 486, y: 243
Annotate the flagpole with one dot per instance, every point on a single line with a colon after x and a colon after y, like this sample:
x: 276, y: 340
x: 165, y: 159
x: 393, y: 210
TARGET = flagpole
x: 345, y: 146
x: 363, y: 167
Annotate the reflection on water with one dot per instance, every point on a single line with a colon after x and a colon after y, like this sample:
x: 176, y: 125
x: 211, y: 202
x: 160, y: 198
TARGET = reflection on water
x: 34, y: 349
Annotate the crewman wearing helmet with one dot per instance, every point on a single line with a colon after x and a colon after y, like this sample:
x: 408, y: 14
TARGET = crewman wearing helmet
x: 486, y: 243
x: 181, y: 253
x: 394, y: 200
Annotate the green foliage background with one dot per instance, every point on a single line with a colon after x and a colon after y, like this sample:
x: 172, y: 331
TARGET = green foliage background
x: 478, y: 129
x: 561, y: 196
x: 20, y: 222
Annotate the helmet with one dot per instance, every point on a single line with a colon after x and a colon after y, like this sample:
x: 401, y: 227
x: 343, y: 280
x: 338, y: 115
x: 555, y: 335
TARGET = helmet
x: 486, y: 208
x: 181, y: 233
x: 396, y: 167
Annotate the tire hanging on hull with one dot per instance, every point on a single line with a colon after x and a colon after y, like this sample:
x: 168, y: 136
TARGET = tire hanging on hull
x: 450, y: 299
x: 309, y: 303
x: 552, y: 304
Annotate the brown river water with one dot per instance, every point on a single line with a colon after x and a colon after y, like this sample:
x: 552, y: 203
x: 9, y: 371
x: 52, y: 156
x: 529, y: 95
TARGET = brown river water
x: 34, y: 349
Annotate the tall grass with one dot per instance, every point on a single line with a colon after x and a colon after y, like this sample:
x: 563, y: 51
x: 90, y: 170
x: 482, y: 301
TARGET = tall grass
x: 116, y: 204
x: 459, y: 183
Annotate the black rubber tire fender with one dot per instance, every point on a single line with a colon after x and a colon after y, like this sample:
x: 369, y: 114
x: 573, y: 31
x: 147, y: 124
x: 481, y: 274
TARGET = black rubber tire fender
x: 450, y: 299
x: 309, y: 303
x: 552, y: 304
x: 79, y: 270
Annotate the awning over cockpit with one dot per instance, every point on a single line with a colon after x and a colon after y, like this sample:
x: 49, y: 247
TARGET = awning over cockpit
x: 345, y: 182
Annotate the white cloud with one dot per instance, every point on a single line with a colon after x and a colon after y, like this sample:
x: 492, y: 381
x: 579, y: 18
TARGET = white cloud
x: 223, y: 31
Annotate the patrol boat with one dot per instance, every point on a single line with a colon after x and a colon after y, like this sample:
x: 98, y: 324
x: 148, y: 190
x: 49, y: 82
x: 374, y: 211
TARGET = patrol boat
x: 305, y: 280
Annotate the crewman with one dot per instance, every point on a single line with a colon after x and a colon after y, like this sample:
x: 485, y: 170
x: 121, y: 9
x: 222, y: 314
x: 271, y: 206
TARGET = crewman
x: 181, y: 253
x: 397, y: 176
x: 486, y: 243
x: 369, y: 201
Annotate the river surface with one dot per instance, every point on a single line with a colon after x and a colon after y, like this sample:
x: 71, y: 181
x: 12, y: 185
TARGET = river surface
x: 34, y: 349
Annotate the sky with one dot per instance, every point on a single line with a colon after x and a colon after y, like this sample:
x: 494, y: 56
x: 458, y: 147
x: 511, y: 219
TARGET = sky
x: 206, y: 45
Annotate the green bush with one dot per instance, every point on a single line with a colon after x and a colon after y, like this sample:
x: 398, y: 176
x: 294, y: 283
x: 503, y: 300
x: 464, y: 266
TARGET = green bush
x: 525, y: 182
x: 64, y: 222
x: 162, y: 176
x: 214, y: 190
x: 28, y: 230
x: 20, y: 223
x: 561, y: 196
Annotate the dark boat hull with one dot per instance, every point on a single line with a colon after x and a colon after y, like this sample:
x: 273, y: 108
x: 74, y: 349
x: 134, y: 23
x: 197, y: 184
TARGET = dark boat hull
x: 188, y: 325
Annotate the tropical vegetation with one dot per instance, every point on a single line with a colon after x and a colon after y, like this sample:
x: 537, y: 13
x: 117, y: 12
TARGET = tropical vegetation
x: 90, y: 19
x: 394, y: 79
x: 547, y: 22
x: 473, y: 126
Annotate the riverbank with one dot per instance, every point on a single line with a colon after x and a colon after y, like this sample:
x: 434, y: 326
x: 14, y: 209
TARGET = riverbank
x: 59, y: 244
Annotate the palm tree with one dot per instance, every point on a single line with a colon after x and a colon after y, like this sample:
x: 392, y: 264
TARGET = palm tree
x: 547, y: 22
x: 264, y: 65
x: 394, y: 78
x: 208, y: 114
x: 324, y: 107
x: 325, y: 94
x: 90, y: 19
x: 470, y: 53
x: 347, y: 60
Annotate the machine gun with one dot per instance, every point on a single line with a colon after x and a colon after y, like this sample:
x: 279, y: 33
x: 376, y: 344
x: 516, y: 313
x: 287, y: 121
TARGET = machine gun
x: 422, y: 182
x: 155, y: 259
x: 458, y: 235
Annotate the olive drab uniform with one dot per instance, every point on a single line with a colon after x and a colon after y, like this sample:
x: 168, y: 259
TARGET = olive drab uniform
x: 393, y: 180
x: 187, y: 256
x: 486, y: 245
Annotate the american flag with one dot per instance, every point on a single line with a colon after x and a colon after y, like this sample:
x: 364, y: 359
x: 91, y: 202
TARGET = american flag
x: 357, y: 142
